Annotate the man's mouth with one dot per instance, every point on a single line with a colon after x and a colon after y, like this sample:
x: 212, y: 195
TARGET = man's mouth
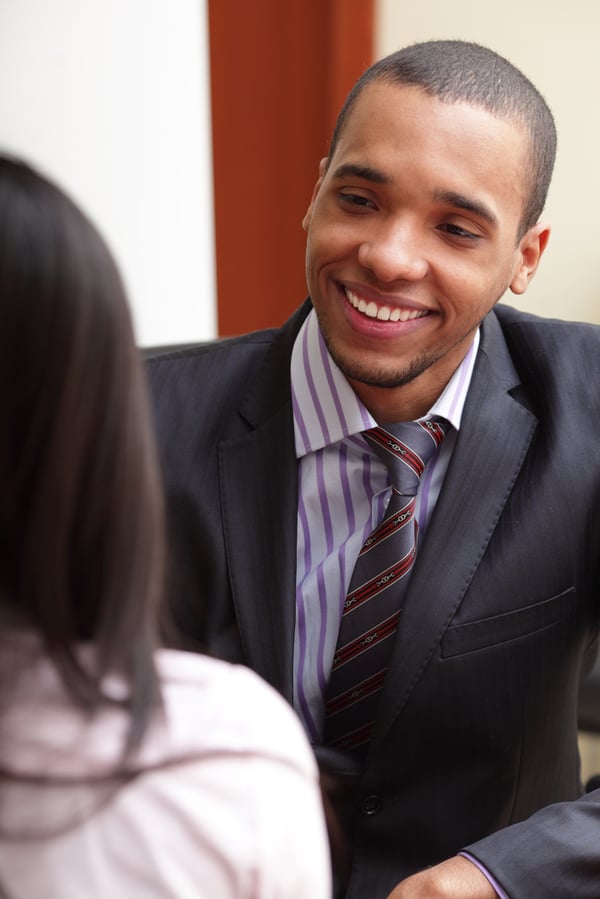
x: 382, y: 312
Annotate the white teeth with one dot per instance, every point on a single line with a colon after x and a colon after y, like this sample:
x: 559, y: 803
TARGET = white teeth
x: 383, y: 313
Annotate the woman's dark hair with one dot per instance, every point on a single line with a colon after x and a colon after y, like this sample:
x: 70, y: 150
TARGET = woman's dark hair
x: 81, y: 514
x: 464, y: 72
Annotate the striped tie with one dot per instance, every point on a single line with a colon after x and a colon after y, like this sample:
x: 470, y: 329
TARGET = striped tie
x: 377, y: 587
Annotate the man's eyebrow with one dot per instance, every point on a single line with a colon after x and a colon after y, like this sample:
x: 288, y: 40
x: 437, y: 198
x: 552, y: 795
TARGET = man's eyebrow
x: 452, y: 198
x: 461, y: 202
x: 361, y: 171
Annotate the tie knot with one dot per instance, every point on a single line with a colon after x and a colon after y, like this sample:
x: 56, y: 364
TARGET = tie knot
x: 405, y: 449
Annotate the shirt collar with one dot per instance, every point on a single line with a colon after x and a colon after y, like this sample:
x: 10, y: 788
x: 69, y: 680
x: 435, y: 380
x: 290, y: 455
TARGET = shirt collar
x: 326, y: 409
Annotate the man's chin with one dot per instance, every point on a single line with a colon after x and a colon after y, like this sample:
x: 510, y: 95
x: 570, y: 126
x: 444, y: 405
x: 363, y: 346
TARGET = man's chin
x: 385, y: 377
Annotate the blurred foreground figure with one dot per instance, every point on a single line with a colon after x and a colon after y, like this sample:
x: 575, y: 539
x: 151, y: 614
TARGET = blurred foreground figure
x: 124, y: 771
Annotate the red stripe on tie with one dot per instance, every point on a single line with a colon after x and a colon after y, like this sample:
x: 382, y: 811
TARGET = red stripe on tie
x: 435, y: 431
x: 366, y: 640
x: 397, y: 448
x: 389, y: 526
x: 355, y: 737
x: 366, y: 688
x: 380, y: 582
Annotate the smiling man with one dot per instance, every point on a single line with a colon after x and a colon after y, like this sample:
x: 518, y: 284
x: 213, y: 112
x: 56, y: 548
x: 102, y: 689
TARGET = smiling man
x: 389, y: 507
x: 413, y: 236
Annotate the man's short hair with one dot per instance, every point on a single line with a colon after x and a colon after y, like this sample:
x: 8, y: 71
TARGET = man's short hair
x: 464, y: 72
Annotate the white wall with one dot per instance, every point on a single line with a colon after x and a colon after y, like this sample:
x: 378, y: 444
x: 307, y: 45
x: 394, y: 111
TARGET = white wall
x: 111, y: 99
x: 556, y: 46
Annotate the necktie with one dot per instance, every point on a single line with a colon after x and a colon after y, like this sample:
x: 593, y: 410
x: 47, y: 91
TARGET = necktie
x: 377, y: 587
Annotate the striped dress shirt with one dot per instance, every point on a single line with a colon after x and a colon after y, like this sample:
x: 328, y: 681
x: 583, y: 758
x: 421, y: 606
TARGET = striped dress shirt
x: 343, y: 491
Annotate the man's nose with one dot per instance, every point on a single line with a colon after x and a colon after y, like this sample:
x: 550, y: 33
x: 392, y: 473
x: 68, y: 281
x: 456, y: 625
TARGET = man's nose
x: 394, y: 252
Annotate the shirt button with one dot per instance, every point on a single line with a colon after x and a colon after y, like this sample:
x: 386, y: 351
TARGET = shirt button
x: 370, y: 805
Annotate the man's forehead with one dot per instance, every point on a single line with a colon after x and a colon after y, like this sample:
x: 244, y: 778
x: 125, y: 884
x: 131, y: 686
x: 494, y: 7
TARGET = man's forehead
x: 406, y: 102
x: 397, y: 92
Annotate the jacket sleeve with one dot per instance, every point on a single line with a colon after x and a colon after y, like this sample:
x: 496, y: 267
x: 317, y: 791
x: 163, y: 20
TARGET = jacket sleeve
x: 553, y: 854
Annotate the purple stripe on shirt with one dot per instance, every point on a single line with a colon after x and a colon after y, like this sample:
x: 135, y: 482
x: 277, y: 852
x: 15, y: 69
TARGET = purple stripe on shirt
x: 300, y: 694
x: 326, y: 515
x: 303, y: 518
x: 301, y: 627
x: 330, y: 381
x: 300, y: 422
x: 464, y: 373
x: 322, y: 676
x: 366, y: 481
x: 314, y: 395
x: 366, y: 419
x: 322, y: 591
x: 351, y: 526
x: 346, y: 491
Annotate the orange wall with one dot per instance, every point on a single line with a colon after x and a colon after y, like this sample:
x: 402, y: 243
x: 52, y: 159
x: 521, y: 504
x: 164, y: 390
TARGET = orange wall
x: 280, y: 70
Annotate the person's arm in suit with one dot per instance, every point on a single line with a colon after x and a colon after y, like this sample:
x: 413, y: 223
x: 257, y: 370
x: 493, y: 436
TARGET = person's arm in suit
x: 553, y: 854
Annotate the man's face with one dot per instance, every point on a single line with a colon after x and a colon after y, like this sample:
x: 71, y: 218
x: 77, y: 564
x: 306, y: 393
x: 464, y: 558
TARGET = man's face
x: 412, y: 239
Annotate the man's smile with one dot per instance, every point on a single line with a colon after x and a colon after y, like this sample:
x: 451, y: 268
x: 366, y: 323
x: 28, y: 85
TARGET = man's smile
x: 381, y: 311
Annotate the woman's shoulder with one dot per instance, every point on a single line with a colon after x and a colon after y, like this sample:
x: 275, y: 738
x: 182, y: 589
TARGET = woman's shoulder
x: 249, y: 763
x: 213, y: 705
x: 218, y: 771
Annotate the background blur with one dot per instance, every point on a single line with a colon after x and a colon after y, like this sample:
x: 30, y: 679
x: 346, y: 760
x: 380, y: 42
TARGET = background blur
x: 113, y: 99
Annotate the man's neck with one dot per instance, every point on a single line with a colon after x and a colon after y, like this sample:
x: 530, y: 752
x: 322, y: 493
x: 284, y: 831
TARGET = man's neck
x: 413, y: 399
x: 394, y: 404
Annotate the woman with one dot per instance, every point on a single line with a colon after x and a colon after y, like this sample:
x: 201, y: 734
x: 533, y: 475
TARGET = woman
x: 124, y: 771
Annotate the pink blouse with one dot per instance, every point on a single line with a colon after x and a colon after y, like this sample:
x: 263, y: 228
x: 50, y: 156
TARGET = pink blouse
x: 227, y: 804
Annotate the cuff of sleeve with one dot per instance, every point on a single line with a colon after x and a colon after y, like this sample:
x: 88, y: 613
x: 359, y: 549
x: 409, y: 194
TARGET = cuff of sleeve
x: 500, y: 892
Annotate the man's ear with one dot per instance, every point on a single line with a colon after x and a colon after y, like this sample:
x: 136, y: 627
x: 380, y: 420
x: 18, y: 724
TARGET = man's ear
x: 531, y: 246
x: 316, y: 188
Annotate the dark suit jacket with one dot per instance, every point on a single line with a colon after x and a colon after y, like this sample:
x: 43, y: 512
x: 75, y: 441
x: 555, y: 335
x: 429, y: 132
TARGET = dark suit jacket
x: 477, y: 722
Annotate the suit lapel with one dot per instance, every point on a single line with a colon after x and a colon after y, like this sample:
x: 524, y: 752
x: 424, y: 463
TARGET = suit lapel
x: 495, y: 434
x: 259, y: 495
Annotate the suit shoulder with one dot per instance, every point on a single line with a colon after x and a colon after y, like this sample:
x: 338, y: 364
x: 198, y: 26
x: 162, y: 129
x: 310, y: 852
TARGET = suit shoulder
x: 218, y: 390
x: 558, y: 361
x: 541, y: 328
x: 212, y: 363
x: 202, y: 352
x: 559, y: 341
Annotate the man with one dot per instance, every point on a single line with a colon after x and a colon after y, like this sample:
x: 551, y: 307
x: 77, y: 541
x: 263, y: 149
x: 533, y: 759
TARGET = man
x: 465, y: 782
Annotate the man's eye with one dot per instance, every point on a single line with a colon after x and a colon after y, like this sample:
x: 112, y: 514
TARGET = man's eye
x: 457, y: 231
x: 357, y: 200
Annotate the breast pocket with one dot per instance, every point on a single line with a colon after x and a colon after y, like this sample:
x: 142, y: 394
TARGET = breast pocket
x: 473, y: 635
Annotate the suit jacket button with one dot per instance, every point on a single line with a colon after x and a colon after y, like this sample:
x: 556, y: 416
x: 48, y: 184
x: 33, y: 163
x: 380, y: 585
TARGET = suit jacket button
x: 371, y: 805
